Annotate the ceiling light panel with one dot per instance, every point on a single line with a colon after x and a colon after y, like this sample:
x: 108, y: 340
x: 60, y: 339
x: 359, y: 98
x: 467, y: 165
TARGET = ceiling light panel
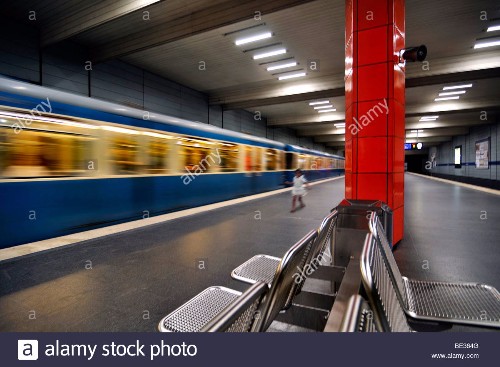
x: 452, y: 93
x: 263, y: 55
x: 458, y: 86
x: 488, y: 42
x: 291, y: 76
x: 282, y: 66
x: 446, y: 98
x: 253, y: 38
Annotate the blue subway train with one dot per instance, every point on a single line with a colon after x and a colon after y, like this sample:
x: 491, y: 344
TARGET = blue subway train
x: 70, y: 163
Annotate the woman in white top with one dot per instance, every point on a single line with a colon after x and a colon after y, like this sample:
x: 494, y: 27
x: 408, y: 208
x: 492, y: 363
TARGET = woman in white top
x: 299, y: 189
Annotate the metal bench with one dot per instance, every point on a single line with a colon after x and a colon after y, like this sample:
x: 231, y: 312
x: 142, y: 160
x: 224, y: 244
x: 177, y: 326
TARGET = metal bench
x: 465, y: 303
x: 216, y: 309
x: 285, y: 284
x: 380, y: 287
x: 358, y: 317
x: 263, y: 267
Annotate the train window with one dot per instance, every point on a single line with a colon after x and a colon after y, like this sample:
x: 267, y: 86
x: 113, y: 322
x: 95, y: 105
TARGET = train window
x: 38, y: 152
x: 158, y: 150
x: 228, y: 155
x: 258, y: 159
x: 303, y: 161
x: 3, y: 149
x: 123, y: 154
x: 196, y: 154
x: 248, y: 159
x: 272, y: 160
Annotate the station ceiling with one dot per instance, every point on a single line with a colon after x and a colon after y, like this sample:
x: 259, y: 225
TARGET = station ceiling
x: 193, y: 43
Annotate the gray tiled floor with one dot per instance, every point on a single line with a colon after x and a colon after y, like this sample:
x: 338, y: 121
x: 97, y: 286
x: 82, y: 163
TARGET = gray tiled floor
x: 139, y: 276
x: 445, y: 237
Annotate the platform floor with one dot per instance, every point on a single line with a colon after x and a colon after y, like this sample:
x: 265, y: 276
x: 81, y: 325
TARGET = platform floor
x: 130, y: 280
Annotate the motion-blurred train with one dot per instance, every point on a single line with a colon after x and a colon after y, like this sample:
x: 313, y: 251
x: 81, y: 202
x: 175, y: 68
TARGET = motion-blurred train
x: 70, y: 163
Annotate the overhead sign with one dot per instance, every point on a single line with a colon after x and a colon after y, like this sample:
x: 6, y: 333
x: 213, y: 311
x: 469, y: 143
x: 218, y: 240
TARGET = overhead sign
x: 413, y: 146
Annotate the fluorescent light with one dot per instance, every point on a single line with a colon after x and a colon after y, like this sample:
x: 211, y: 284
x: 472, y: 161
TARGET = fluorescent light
x: 493, y: 28
x: 340, y: 125
x: 282, y: 66
x: 487, y: 44
x: 458, y: 86
x: 281, y: 51
x: 416, y: 131
x: 18, y: 87
x: 257, y: 37
x: 320, y: 102
x: 428, y: 118
x: 446, y: 98
x: 330, y: 110
x: 452, y: 93
x: 3, y: 120
x: 325, y: 106
x: 297, y: 75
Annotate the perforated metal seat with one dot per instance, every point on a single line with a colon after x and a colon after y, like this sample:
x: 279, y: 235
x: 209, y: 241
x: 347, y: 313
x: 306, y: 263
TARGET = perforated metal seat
x: 466, y: 303
x: 240, y: 315
x: 259, y: 267
x: 263, y: 267
x: 358, y: 317
x: 199, y: 310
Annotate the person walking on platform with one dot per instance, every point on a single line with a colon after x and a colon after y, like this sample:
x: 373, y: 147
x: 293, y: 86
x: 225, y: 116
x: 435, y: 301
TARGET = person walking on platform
x: 299, y: 189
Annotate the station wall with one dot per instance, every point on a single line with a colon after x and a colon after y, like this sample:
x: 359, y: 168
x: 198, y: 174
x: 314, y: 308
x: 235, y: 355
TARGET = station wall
x: 66, y: 67
x: 444, y: 157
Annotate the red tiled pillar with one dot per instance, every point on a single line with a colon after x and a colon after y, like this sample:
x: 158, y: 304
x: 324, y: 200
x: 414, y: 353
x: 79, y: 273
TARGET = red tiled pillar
x: 375, y: 104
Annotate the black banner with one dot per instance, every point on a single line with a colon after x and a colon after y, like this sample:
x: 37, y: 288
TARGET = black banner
x: 265, y: 349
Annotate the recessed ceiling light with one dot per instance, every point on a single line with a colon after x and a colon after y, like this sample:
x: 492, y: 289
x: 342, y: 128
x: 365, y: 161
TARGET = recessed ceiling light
x: 330, y: 110
x: 493, y: 28
x: 452, y: 93
x: 297, y: 75
x: 319, y: 102
x: 324, y: 106
x: 458, y: 86
x: 487, y: 43
x: 257, y: 37
x: 282, y: 66
x: 429, y: 118
x: 281, y: 51
x: 446, y: 98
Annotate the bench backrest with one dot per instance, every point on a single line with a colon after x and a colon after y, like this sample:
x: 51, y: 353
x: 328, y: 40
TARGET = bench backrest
x: 381, y: 289
x: 358, y: 317
x: 240, y: 315
x: 287, y: 282
x: 325, y: 234
x: 380, y: 236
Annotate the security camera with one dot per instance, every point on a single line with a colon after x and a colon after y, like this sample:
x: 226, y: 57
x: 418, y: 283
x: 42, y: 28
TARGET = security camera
x: 414, y: 53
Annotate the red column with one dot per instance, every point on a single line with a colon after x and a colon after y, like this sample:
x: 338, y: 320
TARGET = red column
x: 375, y: 104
